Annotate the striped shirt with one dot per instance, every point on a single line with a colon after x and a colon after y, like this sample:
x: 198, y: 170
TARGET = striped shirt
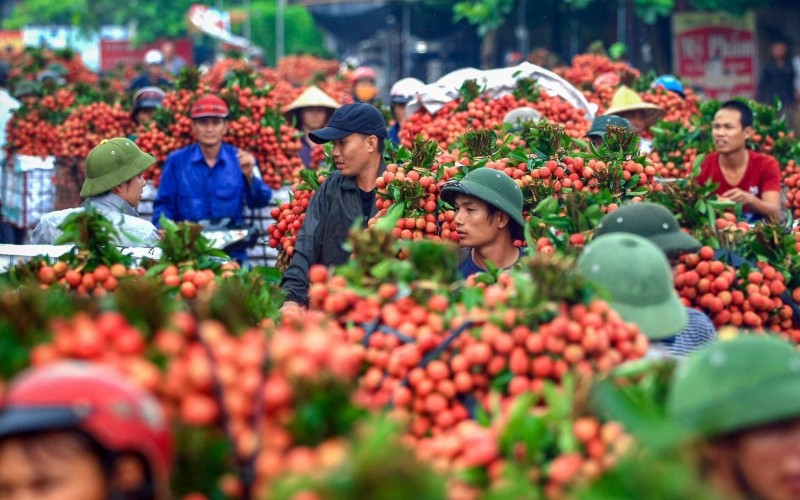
x: 699, y: 331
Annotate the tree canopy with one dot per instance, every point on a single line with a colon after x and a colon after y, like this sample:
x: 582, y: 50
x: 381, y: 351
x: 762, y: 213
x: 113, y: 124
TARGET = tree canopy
x: 166, y: 19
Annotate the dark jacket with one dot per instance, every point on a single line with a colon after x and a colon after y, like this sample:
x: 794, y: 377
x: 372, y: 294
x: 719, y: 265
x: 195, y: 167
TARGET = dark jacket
x: 331, y: 212
x: 776, y: 81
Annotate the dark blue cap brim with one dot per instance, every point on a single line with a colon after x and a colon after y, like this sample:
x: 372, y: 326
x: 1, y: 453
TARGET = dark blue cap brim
x: 328, y: 134
x: 34, y: 419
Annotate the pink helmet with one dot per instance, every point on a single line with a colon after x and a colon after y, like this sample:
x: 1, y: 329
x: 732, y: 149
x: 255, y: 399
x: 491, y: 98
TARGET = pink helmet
x: 93, y: 398
x: 363, y: 73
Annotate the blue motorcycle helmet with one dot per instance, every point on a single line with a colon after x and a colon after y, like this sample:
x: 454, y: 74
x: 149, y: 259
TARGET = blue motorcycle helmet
x: 669, y: 82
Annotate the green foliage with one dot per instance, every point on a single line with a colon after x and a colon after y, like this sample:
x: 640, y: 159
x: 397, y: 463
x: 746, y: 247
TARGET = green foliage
x: 547, y: 139
x: 301, y: 34
x: 145, y: 303
x: 469, y: 91
x: 94, y: 238
x: 244, y: 299
x: 480, y: 143
x: 737, y: 7
x: 772, y: 242
x: 324, y: 410
x: 635, y: 395
x: 487, y: 15
x: 693, y: 206
x: 25, y: 314
x: 184, y: 244
x: 167, y: 18
x: 423, y: 153
x: 428, y: 264
x: 651, y: 10
x: 202, y: 455
x: 377, y: 466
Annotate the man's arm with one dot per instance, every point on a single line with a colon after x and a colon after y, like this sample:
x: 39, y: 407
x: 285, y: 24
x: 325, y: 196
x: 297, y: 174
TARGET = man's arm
x: 768, y: 205
x: 257, y: 194
x: 166, y: 201
x: 307, y: 249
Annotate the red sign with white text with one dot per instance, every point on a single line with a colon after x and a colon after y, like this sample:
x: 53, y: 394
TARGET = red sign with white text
x: 716, y: 52
x: 120, y: 52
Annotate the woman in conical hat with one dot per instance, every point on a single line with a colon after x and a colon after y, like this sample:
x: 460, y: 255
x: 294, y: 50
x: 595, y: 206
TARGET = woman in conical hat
x: 627, y: 104
x: 310, y: 111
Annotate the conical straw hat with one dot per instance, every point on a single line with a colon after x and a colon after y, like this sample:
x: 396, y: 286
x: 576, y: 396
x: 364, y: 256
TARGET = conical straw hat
x: 626, y: 99
x: 313, y: 96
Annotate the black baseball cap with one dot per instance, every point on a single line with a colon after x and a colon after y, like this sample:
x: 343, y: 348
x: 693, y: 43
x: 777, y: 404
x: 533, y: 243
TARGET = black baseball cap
x: 357, y: 118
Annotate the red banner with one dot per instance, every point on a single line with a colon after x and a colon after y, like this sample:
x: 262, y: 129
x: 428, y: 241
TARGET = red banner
x: 114, y: 53
x: 716, y: 52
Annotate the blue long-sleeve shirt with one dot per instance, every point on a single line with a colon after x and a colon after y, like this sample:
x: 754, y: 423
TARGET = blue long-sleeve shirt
x: 192, y: 191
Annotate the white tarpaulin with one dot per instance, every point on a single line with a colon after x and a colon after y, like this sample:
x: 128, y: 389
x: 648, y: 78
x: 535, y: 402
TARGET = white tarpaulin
x: 10, y: 255
x: 499, y: 82
x: 216, y: 24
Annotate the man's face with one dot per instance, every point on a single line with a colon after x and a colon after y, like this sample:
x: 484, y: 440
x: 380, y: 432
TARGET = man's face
x: 145, y: 115
x: 209, y: 130
x: 131, y: 191
x: 727, y: 131
x: 778, y: 50
x: 168, y: 49
x: 353, y: 154
x: 59, y: 471
x: 474, y: 225
x: 399, y: 111
x: 154, y: 70
x: 768, y: 460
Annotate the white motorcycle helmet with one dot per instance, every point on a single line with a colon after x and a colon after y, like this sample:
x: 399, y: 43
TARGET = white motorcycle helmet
x: 405, y: 89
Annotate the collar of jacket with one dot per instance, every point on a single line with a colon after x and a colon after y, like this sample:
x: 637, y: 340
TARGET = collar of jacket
x: 197, y: 157
x: 350, y: 182
x: 111, y: 201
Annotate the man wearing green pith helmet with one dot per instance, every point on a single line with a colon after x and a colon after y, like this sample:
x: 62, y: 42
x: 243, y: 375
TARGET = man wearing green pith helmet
x: 636, y: 276
x: 113, y: 187
x: 739, y: 402
x: 488, y: 220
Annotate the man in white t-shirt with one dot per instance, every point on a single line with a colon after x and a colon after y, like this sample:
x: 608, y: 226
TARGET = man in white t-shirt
x: 7, y: 106
x: 8, y: 233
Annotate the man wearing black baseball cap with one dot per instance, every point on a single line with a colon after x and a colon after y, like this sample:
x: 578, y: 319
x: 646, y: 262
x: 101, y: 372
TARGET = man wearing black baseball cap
x: 358, y: 132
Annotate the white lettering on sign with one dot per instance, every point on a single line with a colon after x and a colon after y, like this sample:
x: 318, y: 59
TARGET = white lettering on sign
x: 692, y: 47
x: 723, y: 46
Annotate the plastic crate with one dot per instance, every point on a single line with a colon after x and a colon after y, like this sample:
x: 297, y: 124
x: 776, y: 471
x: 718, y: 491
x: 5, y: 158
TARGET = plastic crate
x: 27, y: 188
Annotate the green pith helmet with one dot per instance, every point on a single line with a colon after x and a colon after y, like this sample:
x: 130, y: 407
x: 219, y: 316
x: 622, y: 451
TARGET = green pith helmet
x: 111, y: 163
x: 652, y: 221
x: 601, y: 122
x: 736, y: 384
x: 491, y: 186
x: 637, y: 276
x: 27, y: 88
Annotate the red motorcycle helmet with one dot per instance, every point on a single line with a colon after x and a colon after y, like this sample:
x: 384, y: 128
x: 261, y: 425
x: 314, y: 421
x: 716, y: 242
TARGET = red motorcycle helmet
x: 92, y: 398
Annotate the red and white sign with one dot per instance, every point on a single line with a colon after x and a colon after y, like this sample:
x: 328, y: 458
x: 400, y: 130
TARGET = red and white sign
x: 120, y: 52
x: 716, y: 52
